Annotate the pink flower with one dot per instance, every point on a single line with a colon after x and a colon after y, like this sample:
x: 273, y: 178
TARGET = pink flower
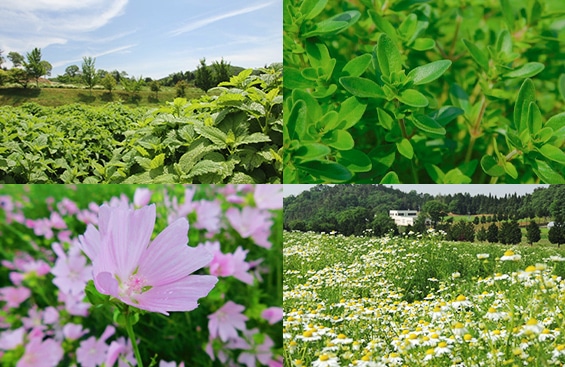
x: 251, y: 222
x: 14, y: 296
x: 272, y: 314
x: 150, y: 275
x: 226, y: 320
x: 10, y: 339
x: 268, y: 196
x: 208, y: 214
x: 73, y: 331
x: 71, y: 272
x: 120, y: 348
x: 141, y: 197
x: 261, y: 352
x: 92, y: 351
x: 226, y: 265
x: 41, y: 353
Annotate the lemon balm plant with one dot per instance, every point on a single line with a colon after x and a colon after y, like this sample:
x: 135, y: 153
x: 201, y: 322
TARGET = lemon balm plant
x: 424, y: 92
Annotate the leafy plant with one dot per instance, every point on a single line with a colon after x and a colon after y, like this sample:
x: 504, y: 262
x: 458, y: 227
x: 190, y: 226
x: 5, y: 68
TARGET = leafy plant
x: 424, y: 92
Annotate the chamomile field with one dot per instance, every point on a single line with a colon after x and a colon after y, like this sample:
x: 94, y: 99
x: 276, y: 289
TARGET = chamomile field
x: 420, y: 301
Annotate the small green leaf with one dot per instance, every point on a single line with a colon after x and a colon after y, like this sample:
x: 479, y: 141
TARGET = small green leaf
x: 297, y: 123
x: 311, y: 8
x: 429, y: 72
x: 293, y: 79
x: 382, y: 24
x: 354, y: 160
x: 543, y: 135
x: 412, y: 97
x: 427, y: 124
x: 312, y: 152
x: 446, y: 114
x: 547, y: 174
x: 388, y: 56
x: 535, y: 119
x: 390, y: 178
x: 491, y: 166
x: 561, y: 86
x: 455, y: 176
x: 552, y: 152
x: 510, y: 170
x: 405, y: 148
x: 508, y: 13
x: 423, y: 44
x: 557, y: 124
x: 328, y: 171
x: 384, y: 118
x: 526, y: 95
x: 479, y: 56
x: 158, y: 161
x: 339, y: 139
x: 357, y: 66
x: 527, y: 70
x: 504, y: 42
x: 350, y: 112
x: 408, y: 26
x: 361, y: 87
x: 334, y: 25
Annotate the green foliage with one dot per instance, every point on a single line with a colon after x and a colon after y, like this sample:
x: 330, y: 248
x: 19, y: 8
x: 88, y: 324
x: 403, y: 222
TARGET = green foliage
x: 436, y: 210
x: 89, y: 72
x: 109, y: 82
x: 234, y: 136
x: 203, y: 77
x: 556, y: 234
x: 533, y: 233
x: 34, y: 66
x: 462, y: 231
x: 424, y: 92
x: 510, y: 233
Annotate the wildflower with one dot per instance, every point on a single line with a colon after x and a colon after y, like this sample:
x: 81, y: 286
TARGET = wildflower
x: 10, y: 339
x: 325, y: 361
x: 441, y: 349
x: 119, y: 348
x: 92, y: 351
x: 73, y: 331
x: 141, y: 197
x: 482, y: 256
x: 14, y: 296
x: 461, y: 301
x: 226, y: 320
x: 532, y: 326
x: 152, y: 276
x: 342, y: 339
x: 71, y: 272
x: 268, y: 196
x: 272, y: 314
x: 494, y: 315
x: 41, y: 353
x: 509, y: 255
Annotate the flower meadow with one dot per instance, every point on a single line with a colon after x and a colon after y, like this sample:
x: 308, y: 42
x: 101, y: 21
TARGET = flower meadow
x: 420, y: 301
x: 123, y: 275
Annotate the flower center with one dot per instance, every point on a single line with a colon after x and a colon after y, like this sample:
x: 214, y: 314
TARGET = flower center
x: 135, y: 285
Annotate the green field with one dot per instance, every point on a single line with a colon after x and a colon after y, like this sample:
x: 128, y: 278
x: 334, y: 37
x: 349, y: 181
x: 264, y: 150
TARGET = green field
x: 360, y: 301
x: 54, y: 97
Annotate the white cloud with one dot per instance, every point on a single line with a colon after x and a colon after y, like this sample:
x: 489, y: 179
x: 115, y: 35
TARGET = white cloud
x: 206, y: 21
x: 46, y: 22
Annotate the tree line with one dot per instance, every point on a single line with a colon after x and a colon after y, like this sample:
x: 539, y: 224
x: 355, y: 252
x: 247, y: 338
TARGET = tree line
x: 363, y: 209
x: 32, y: 67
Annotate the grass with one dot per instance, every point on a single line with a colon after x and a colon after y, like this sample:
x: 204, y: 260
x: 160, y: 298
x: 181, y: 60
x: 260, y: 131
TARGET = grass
x: 53, y: 97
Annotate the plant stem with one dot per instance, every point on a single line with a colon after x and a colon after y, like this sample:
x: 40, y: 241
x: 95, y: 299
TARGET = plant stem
x: 475, y: 131
x: 131, y: 334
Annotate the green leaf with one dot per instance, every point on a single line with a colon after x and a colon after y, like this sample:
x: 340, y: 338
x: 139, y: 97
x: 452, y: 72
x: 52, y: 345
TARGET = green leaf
x: 213, y: 134
x: 408, y: 26
x: 361, y: 87
x: 311, y: 8
x: 293, y: 79
x: 354, y: 160
x: 510, y: 170
x: 504, y: 42
x: 383, y: 24
x: 334, y: 25
x: 543, y: 135
x: 158, y: 161
x: 446, y: 114
x: 350, y: 112
x: 339, y: 139
x: 429, y: 72
x: 508, y: 13
x: 384, y: 118
x: 412, y: 97
x: 297, y: 123
x: 455, y: 176
x: 357, y: 66
x: 390, y: 178
x: 527, y: 70
x: 535, y: 119
x: 561, y: 86
x: 479, y: 56
x: 405, y: 148
x: 526, y: 95
x: 553, y: 153
x: 312, y: 152
x: 459, y: 98
x: 547, y: 174
x: 325, y: 170
x: 144, y: 162
x: 388, y: 56
x: 423, y: 44
x: 427, y: 124
x: 491, y: 166
x: 557, y: 124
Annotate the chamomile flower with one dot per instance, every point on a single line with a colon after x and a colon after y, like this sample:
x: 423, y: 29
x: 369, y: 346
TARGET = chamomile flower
x: 326, y: 361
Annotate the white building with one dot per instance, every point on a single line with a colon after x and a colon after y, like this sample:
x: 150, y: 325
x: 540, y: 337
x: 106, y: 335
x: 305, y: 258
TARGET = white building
x: 403, y: 217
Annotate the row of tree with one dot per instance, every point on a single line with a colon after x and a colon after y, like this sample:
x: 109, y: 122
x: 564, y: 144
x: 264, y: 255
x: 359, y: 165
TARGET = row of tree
x: 32, y: 67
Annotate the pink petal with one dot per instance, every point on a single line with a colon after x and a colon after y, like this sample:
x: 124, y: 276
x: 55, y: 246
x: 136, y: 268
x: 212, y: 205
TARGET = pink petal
x: 90, y: 242
x: 105, y: 283
x: 169, y: 259
x: 182, y: 295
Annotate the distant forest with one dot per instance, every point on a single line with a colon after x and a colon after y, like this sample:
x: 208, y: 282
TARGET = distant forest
x: 321, y: 208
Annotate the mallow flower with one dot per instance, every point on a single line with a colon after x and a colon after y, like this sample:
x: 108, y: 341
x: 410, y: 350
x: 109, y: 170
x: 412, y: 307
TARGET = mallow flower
x: 150, y: 275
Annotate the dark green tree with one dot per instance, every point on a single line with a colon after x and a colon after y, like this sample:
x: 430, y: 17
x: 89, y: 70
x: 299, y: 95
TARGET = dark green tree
x: 34, y: 66
x: 203, y: 76
x: 382, y: 224
x: 482, y: 234
x: 16, y: 59
x: 533, y: 233
x: 353, y: 221
x: 483, y: 219
x: 510, y: 233
x: 89, y: 72
x: 435, y: 210
x: 109, y: 82
x: 462, y: 231
x: 221, y: 71
x: 556, y: 234
x: 476, y: 220
x: 155, y: 86
x: 181, y: 87
x: 492, y: 233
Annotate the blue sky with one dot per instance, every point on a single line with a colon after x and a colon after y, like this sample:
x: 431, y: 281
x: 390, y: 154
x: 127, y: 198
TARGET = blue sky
x: 143, y: 37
